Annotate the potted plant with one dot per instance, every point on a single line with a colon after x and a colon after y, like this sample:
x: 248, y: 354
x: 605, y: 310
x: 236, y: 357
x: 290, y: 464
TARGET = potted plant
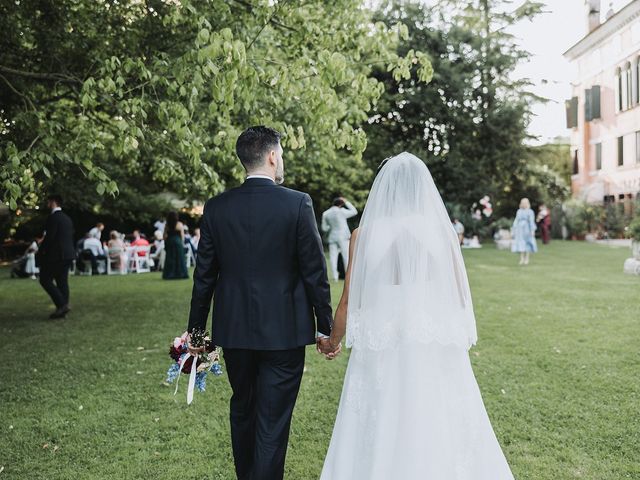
x: 633, y: 232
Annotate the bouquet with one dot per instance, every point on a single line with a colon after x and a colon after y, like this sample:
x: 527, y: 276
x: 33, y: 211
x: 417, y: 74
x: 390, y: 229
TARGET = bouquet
x: 198, y: 366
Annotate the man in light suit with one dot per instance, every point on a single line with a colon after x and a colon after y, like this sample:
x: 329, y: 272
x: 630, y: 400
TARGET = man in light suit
x: 334, y: 224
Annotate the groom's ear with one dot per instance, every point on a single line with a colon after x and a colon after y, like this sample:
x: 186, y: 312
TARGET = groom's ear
x: 272, y: 158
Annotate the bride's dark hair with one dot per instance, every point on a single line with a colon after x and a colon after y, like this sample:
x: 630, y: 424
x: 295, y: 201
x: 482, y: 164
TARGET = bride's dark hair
x: 383, y: 163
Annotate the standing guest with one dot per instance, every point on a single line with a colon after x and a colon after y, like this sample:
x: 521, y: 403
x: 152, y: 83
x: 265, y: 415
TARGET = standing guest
x: 334, y: 224
x: 544, y: 221
x: 189, y: 246
x: 93, y: 246
x: 195, y: 239
x: 158, y: 240
x: 139, y: 241
x: 159, y: 225
x: 175, y: 265
x: 116, y: 249
x: 459, y: 228
x: 157, y: 254
x: 56, y: 254
x: 524, y: 231
x: 96, y: 232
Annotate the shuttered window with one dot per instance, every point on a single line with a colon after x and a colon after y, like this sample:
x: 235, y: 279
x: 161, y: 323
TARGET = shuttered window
x: 618, y: 89
x: 592, y: 103
x: 575, y: 162
x: 620, y: 151
x: 624, y: 89
x: 629, y: 85
x: 637, y: 147
x: 598, y: 156
x: 572, y: 112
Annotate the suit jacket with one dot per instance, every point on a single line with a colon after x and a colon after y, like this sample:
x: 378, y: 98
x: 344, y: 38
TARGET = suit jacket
x: 57, y: 245
x: 334, y: 221
x: 261, y: 253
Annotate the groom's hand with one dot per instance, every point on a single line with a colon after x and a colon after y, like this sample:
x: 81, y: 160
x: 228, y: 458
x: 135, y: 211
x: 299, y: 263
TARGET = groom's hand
x: 323, y: 345
x: 336, y: 351
x: 326, y: 348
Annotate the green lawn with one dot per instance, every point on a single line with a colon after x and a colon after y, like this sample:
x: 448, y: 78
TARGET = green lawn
x: 558, y: 363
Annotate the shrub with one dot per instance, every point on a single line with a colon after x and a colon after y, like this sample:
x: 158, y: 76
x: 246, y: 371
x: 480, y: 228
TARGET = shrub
x: 633, y: 231
x: 613, y: 220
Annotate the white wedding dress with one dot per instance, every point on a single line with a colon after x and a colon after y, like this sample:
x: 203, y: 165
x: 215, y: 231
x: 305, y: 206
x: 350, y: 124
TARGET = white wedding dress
x: 410, y: 407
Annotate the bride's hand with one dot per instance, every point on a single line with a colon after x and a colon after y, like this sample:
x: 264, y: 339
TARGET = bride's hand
x: 334, y: 354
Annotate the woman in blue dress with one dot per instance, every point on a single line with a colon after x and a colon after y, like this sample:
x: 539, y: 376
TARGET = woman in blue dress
x: 524, y: 232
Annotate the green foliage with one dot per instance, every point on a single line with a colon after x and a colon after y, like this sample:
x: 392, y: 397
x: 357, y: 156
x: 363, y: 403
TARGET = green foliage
x: 124, y: 94
x: 633, y: 231
x: 502, y: 224
x: 613, y: 220
x: 469, y: 124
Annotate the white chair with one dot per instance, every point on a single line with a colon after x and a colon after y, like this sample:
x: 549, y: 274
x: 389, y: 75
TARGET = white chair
x: 139, y: 259
x: 120, y: 260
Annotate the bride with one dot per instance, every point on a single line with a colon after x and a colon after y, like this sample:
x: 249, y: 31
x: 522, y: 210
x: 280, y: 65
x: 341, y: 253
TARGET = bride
x: 410, y: 406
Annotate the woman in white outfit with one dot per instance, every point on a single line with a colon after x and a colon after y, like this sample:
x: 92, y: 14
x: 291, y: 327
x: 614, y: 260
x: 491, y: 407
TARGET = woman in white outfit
x: 410, y: 406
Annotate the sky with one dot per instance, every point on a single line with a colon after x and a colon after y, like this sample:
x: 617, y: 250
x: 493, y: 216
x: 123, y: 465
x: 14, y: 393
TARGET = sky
x: 547, y: 37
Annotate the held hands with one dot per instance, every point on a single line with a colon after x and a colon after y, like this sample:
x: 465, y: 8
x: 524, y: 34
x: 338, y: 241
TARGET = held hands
x: 328, y: 348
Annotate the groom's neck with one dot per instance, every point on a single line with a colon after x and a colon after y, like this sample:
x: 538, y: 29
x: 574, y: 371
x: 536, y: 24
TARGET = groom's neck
x: 264, y: 173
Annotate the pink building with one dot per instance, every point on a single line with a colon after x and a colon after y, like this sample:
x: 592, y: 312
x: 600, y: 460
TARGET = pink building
x: 604, y: 113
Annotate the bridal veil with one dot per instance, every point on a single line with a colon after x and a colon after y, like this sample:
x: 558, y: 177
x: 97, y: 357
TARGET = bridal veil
x: 408, y: 279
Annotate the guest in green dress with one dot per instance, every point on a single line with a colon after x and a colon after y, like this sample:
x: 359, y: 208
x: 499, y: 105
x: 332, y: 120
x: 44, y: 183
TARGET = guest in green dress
x: 175, y: 265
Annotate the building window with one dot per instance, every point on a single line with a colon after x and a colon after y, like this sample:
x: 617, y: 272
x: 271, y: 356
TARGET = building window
x: 618, y: 89
x: 592, y: 103
x: 598, y: 156
x: 624, y: 86
x: 572, y: 112
x: 637, y: 147
x: 620, y: 151
x: 575, y: 162
x: 627, y: 72
x: 636, y: 81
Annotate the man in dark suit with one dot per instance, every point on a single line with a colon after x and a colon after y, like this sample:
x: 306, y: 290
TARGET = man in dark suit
x: 261, y: 253
x: 56, y: 254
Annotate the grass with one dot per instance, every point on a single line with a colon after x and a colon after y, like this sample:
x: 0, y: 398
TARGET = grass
x: 558, y: 364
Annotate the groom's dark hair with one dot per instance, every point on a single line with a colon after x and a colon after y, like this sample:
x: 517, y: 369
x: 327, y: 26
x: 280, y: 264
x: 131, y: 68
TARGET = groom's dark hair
x: 254, y: 143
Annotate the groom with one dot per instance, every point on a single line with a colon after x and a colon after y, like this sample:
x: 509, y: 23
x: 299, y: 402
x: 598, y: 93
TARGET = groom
x: 261, y: 253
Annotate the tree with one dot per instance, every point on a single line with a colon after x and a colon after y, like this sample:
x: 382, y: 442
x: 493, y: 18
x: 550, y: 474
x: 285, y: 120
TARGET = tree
x: 156, y: 91
x: 469, y: 124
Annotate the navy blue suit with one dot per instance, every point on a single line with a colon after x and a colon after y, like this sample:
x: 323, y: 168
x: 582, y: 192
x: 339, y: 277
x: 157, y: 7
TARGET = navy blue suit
x: 55, y: 256
x: 260, y: 258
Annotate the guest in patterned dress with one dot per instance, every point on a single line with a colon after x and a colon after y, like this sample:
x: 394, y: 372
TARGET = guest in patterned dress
x: 524, y: 232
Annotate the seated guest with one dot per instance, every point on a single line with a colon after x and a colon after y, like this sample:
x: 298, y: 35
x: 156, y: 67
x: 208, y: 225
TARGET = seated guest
x: 96, y: 232
x: 25, y: 266
x: 116, y: 249
x: 139, y: 241
x: 93, y: 245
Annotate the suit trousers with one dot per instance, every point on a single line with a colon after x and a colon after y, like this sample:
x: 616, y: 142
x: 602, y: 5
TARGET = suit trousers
x: 340, y: 247
x: 57, y: 272
x: 265, y: 386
